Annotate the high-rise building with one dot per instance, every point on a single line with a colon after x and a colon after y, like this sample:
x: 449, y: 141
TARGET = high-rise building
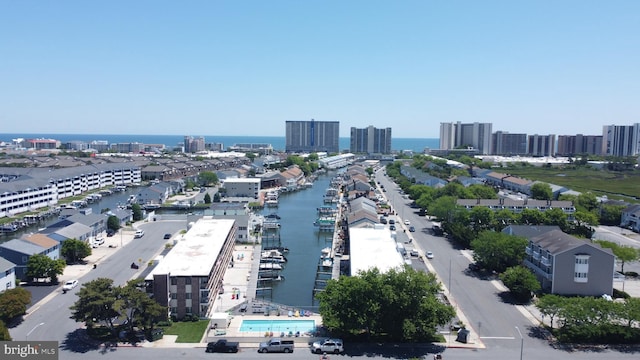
x: 571, y: 145
x: 504, y: 143
x: 370, y: 140
x: 621, y: 140
x: 312, y: 136
x: 542, y: 145
x: 475, y: 135
x: 193, y: 144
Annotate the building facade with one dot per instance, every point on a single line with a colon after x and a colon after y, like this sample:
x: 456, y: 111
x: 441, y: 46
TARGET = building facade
x: 475, y: 135
x: 194, y: 144
x: 621, y: 140
x: 572, y: 145
x: 370, y: 140
x: 312, y: 136
x: 504, y: 143
x: 542, y: 145
x: 188, y: 279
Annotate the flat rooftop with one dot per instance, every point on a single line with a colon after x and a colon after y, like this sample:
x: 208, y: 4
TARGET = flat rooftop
x: 196, y: 251
x: 371, y: 247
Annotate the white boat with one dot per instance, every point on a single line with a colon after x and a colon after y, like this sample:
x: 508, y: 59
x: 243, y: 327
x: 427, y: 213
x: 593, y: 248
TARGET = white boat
x: 271, y: 253
x: 274, y: 260
x: 270, y: 266
x: 326, y: 252
x: 328, y: 262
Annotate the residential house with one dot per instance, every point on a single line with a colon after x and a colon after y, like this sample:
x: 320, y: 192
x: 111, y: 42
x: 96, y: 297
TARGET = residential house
x: 631, y: 218
x: 18, y: 252
x: 7, y: 275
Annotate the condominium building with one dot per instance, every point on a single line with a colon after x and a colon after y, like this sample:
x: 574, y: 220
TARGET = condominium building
x: 542, y: 145
x: 504, y: 143
x: 571, y: 145
x: 621, y: 140
x: 475, y: 135
x: 370, y: 140
x: 312, y: 136
x: 193, y: 144
x: 188, y: 279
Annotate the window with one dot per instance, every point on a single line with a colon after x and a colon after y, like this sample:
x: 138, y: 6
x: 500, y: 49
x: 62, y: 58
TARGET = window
x: 174, y: 281
x: 581, y: 268
x: 188, y: 310
x: 187, y: 281
x: 174, y: 296
x: 187, y: 295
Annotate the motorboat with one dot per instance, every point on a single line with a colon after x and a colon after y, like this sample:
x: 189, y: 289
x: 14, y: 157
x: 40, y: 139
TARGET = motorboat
x: 270, y: 266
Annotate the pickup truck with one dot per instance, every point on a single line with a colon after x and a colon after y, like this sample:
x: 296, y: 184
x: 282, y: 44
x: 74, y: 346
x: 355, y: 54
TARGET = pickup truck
x: 222, y: 346
x: 276, y: 345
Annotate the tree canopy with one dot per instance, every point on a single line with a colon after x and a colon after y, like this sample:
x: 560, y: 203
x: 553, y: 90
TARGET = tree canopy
x: 522, y: 283
x: 541, y: 191
x: 74, y: 250
x: 400, y: 304
x: 498, y: 251
x: 13, y: 303
x: 136, y: 209
x: 207, y: 178
x: 41, y: 267
x: 113, y: 223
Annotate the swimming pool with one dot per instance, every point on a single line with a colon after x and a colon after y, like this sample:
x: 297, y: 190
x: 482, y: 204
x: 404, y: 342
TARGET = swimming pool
x: 283, y: 325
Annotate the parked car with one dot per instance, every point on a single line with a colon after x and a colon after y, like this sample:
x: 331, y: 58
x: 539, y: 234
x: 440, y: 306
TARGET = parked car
x: 69, y: 285
x: 139, y: 234
x: 407, y: 222
x: 328, y: 346
x: 429, y: 255
x: 414, y: 253
x: 167, y: 236
x: 412, y: 229
x: 222, y: 346
x: 110, y: 232
x: 276, y: 345
x: 392, y: 227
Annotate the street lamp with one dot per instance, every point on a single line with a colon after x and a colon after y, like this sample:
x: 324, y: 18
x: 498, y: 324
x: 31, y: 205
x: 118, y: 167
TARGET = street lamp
x: 521, y: 342
x: 26, y: 338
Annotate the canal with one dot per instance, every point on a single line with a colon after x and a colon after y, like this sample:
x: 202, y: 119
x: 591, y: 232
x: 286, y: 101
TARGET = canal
x: 298, y: 211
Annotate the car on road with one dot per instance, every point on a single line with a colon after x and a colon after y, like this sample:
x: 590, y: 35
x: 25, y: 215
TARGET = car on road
x: 167, y: 236
x: 429, y: 255
x: 334, y: 346
x: 407, y: 222
x: 139, y: 234
x: 69, y: 285
x: 222, y: 346
x: 392, y: 227
x: 412, y: 229
x: 276, y: 345
x: 414, y: 253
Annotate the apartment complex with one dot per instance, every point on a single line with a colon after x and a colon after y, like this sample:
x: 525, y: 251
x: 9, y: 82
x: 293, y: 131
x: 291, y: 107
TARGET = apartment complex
x: 621, y: 140
x: 542, y: 145
x: 193, y: 144
x: 312, y: 136
x: 370, y: 140
x: 188, y: 279
x: 504, y: 143
x: 475, y: 135
x: 571, y: 145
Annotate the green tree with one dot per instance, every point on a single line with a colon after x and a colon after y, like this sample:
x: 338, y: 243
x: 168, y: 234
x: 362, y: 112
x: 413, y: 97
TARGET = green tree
x: 113, y: 223
x: 207, y: 198
x: 624, y: 253
x: 4, y: 332
x: 522, y: 283
x: 531, y: 217
x: 96, y: 304
x: 611, y: 214
x: 556, y: 217
x: 498, y: 251
x: 74, y: 250
x: 481, y: 218
x: 13, y: 303
x: 41, y: 266
x: 396, y: 305
x: 541, y: 191
x: 139, y: 309
x: 207, y: 178
x: 137, y: 212
x: 550, y: 305
x: 216, y: 197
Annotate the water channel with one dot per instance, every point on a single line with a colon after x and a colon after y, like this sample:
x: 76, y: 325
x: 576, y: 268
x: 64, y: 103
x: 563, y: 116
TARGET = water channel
x: 298, y: 211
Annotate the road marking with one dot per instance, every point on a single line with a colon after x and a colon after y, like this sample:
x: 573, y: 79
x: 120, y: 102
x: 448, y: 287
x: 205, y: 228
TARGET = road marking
x: 498, y: 337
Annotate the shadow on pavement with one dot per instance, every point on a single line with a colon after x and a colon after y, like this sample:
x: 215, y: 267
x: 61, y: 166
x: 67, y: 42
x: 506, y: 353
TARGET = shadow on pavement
x: 78, y: 341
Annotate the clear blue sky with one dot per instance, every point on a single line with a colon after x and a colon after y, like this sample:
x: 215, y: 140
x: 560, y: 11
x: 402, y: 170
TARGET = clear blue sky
x: 244, y: 67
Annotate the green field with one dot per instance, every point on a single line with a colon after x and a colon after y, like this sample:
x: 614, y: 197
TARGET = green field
x: 187, y: 331
x: 623, y: 185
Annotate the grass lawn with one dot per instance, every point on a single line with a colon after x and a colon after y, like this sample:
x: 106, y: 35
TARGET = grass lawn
x: 187, y: 331
x: 615, y: 184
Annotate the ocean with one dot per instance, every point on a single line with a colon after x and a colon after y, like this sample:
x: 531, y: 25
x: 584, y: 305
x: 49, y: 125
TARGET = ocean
x: 170, y: 141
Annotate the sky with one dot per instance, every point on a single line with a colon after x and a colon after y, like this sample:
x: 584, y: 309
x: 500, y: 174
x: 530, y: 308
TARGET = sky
x: 240, y: 68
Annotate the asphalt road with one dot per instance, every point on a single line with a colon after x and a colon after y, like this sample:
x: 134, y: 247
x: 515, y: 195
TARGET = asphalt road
x: 52, y: 320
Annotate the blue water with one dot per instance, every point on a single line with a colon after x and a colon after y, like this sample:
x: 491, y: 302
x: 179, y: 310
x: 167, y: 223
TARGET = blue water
x: 170, y: 141
x: 280, y: 325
